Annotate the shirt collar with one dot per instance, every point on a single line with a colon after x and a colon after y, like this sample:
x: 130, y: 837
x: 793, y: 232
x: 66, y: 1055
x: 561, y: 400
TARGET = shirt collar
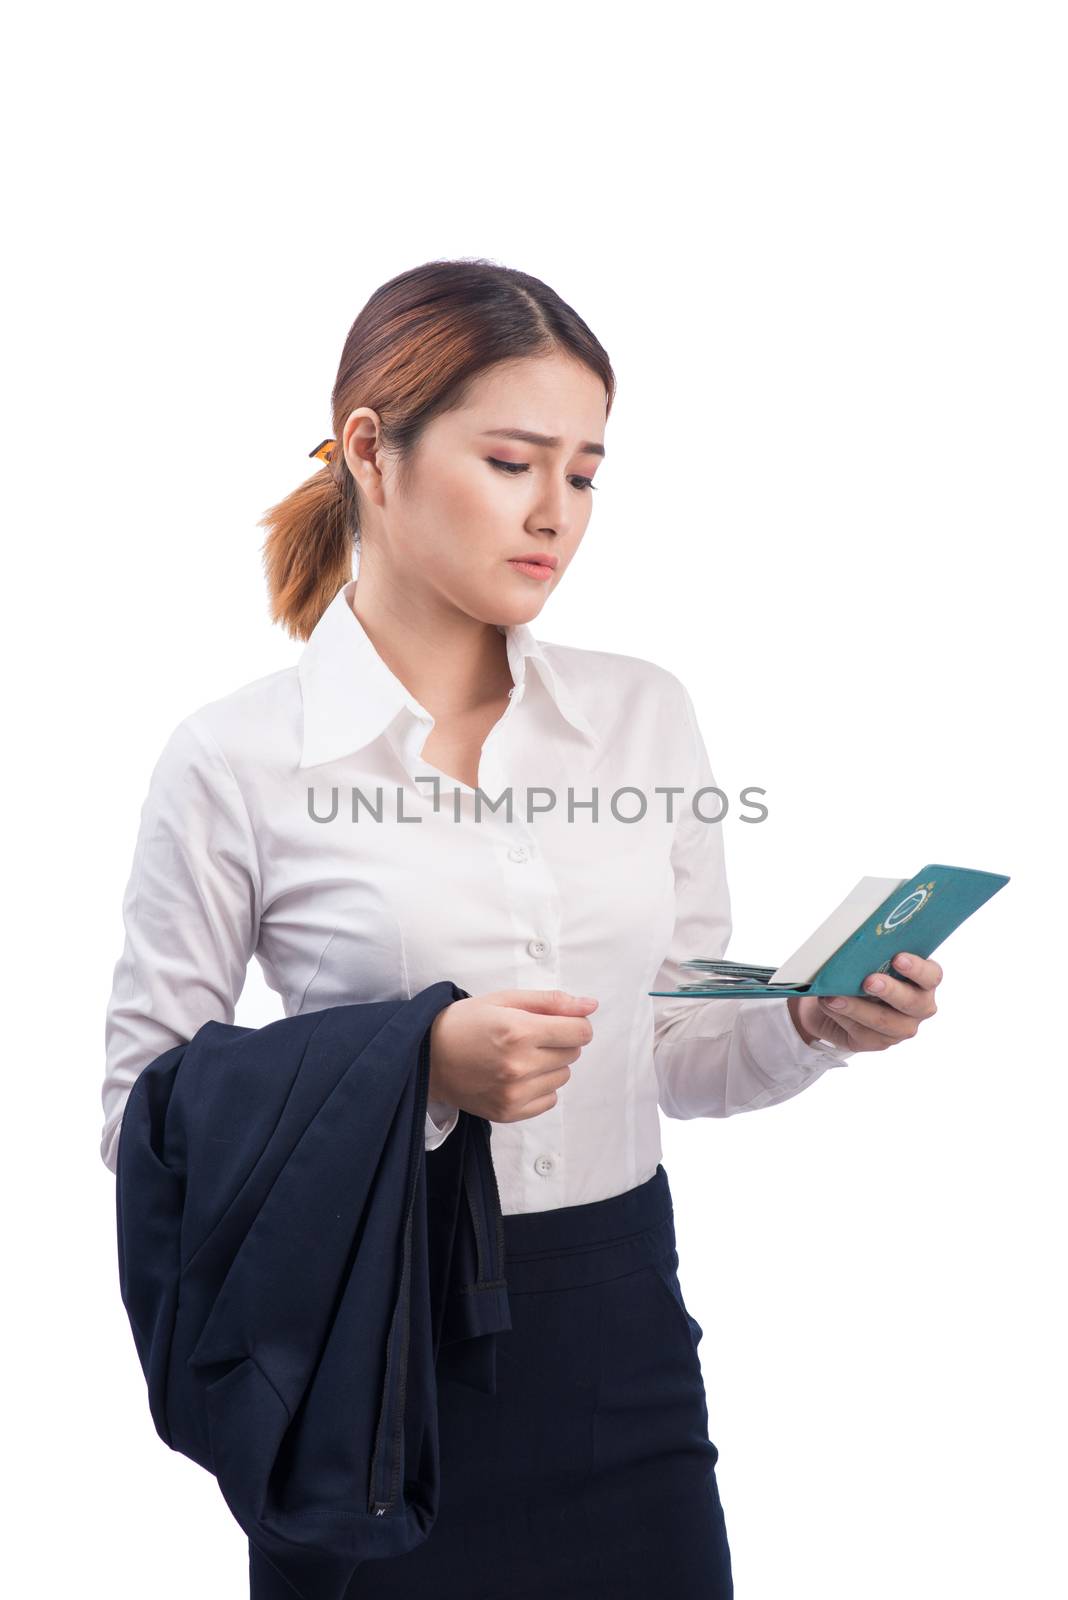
x: 350, y: 696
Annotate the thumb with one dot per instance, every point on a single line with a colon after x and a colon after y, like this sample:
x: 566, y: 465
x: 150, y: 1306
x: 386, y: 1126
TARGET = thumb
x: 554, y: 1001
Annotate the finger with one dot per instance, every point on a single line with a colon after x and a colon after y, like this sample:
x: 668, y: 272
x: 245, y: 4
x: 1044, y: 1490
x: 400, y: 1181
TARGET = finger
x: 861, y: 1037
x: 902, y: 996
x: 551, y: 1001
x: 918, y: 969
x: 870, y: 1015
x: 543, y: 1083
x: 537, y: 1092
x: 560, y: 1033
x: 535, y: 1108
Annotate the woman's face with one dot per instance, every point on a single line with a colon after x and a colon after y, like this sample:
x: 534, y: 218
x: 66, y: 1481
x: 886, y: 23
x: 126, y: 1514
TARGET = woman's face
x: 476, y: 501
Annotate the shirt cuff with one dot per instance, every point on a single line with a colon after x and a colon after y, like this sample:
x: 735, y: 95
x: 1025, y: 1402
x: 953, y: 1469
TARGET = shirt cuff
x: 441, y: 1119
x: 774, y: 1022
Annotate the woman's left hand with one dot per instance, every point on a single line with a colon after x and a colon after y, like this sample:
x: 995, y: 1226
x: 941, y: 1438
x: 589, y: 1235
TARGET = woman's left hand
x: 894, y: 1011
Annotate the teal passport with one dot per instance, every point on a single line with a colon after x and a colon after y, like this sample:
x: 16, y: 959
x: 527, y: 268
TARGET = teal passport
x: 877, y: 918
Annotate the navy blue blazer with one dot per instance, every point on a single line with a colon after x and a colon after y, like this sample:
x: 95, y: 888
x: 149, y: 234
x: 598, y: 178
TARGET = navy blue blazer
x: 292, y: 1259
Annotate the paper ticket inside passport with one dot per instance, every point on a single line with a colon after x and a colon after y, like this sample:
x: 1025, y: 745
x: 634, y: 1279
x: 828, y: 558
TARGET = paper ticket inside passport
x: 865, y: 897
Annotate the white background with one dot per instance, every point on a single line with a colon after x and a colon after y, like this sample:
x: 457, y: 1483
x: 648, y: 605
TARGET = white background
x: 825, y: 248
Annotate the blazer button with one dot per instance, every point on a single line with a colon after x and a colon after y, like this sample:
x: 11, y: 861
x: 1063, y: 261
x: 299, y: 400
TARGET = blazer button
x: 538, y: 947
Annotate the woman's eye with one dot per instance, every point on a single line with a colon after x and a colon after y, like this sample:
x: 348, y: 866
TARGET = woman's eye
x: 514, y: 467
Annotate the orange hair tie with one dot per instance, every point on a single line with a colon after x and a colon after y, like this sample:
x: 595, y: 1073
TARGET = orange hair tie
x: 324, y: 451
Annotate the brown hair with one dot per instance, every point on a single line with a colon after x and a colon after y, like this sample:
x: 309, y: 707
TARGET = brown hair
x: 411, y: 354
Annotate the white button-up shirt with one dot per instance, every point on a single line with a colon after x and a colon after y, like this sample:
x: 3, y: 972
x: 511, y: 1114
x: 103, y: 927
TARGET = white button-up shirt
x: 296, y: 821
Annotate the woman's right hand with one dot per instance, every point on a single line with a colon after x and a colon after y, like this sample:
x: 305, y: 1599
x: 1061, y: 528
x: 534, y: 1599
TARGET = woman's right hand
x: 503, y: 1055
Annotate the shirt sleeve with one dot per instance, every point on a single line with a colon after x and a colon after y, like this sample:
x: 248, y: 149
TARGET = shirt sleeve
x: 714, y: 1057
x: 190, y: 911
x: 441, y: 1119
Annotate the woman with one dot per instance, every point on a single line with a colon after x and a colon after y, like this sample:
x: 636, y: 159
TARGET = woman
x: 432, y: 792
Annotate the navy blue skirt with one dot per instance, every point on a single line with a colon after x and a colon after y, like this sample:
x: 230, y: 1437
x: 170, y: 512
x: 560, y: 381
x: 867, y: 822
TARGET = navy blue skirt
x: 590, y: 1471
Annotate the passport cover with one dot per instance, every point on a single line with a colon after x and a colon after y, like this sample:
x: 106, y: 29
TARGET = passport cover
x: 916, y: 916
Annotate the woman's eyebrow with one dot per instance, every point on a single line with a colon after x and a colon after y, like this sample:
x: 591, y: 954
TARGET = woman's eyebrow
x: 587, y: 448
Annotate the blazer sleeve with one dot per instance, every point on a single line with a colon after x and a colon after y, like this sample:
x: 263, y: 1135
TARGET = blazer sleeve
x: 191, y: 914
x: 714, y: 1057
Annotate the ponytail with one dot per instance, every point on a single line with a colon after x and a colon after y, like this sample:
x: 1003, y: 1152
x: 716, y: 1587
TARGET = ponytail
x: 307, y: 554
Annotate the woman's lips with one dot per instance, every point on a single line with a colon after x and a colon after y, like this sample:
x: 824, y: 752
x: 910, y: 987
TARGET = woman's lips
x: 533, y: 569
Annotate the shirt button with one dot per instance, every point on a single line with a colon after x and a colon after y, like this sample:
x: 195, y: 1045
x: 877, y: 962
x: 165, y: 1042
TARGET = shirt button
x: 545, y: 1165
x: 511, y: 691
x: 538, y: 947
x: 518, y: 852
